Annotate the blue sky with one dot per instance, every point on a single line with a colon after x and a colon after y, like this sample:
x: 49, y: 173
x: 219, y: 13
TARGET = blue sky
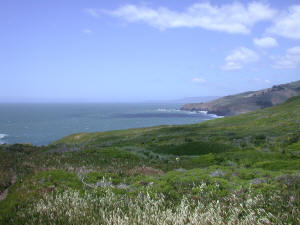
x: 95, y: 50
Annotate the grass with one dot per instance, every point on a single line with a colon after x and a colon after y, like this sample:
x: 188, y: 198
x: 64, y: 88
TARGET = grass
x: 241, y: 170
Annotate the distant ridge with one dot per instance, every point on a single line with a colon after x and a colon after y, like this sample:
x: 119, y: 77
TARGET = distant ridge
x: 196, y: 99
x: 247, y: 101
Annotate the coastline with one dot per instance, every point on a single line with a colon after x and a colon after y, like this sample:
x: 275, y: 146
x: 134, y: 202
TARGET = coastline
x: 40, y: 127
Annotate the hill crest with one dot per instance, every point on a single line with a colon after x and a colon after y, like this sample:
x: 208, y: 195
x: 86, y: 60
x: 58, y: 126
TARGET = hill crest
x: 247, y: 101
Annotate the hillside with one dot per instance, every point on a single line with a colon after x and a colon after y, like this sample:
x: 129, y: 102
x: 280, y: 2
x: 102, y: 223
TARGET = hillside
x: 276, y: 124
x: 242, y: 169
x: 248, y: 101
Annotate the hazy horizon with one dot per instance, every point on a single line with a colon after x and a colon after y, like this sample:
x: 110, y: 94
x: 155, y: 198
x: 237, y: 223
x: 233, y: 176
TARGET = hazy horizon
x: 48, y: 100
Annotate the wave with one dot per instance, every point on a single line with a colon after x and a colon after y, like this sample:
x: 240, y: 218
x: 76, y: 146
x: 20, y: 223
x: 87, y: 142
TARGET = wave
x: 203, y: 113
x: 215, y: 116
x: 189, y: 112
x: 180, y: 111
x: 195, y: 112
x: 1, y: 137
x: 168, y: 110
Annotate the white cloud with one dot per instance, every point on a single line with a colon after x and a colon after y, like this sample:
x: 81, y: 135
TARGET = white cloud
x: 93, y: 12
x: 198, y: 80
x: 87, y: 31
x: 259, y: 80
x: 294, y: 51
x: 239, y: 57
x: 290, y: 60
x: 265, y: 42
x: 287, y: 24
x: 230, y: 18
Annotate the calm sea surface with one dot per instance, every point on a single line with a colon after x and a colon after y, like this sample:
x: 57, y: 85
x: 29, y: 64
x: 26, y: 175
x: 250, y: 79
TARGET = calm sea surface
x: 42, y: 124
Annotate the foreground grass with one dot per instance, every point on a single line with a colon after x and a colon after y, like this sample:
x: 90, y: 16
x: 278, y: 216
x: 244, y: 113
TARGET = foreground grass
x: 107, y: 207
x: 236, y: 170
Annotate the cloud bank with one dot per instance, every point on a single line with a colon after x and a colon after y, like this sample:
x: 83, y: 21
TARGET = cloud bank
x: 230, y: 18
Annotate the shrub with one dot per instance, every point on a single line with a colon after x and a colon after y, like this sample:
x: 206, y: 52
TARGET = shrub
x: 191, y: 148
x: 72, y: 207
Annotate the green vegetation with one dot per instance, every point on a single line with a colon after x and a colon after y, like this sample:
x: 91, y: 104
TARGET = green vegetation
x: 235, y: 170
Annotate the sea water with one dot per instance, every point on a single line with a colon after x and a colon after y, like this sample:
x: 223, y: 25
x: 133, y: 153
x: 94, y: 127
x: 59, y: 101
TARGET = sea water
x: 41, y: 124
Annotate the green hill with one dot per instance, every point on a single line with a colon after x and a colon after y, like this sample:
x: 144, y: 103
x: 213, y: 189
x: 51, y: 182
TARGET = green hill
x: 248, y: 101
x: 236, y: 170
x: 271, y: 127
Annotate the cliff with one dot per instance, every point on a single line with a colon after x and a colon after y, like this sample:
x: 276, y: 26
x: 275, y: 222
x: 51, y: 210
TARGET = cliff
x: 247, y: 101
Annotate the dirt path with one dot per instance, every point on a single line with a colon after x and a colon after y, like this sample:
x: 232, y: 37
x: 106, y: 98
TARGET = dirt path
x: 5, y: 192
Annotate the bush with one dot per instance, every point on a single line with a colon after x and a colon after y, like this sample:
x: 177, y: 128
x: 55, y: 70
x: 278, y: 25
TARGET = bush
x: 279, y: 165
x: 192, y: 148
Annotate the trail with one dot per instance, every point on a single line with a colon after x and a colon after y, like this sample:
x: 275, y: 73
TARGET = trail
x: 3, y: 195
x: 86, y: 184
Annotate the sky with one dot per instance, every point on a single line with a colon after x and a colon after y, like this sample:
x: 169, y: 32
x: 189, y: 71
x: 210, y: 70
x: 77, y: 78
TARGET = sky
x: 118, y: 51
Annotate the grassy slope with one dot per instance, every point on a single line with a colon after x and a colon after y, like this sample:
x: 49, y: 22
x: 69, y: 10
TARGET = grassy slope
x: 268, y: 127
x: 260, y: 148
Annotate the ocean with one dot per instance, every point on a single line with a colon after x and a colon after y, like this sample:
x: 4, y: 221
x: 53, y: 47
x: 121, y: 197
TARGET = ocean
x: 41, y: 124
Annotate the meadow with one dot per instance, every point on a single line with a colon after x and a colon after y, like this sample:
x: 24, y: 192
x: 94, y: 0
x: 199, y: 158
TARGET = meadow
x: 242, y: 169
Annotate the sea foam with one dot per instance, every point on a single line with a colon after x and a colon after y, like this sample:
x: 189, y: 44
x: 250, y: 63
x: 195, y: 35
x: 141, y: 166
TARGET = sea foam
x: 168, y: 110
x: 1, y: 137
